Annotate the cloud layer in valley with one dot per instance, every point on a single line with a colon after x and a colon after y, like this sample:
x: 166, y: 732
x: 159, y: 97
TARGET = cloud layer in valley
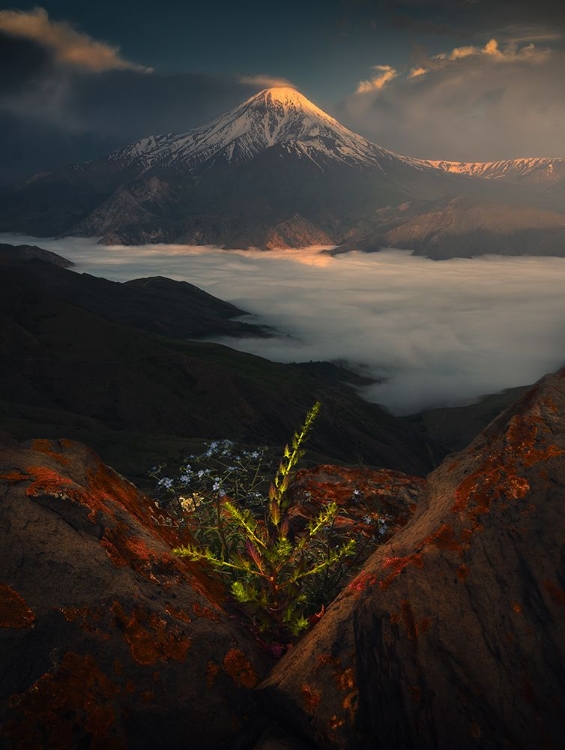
x: 436, y: 333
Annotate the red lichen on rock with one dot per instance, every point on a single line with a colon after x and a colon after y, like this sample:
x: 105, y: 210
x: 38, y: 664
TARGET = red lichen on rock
x: 555, y: 592
x: 151, y: 638
x: 76, y: 699
x: 201, y: 610
x: 363, y: 493
x: 13, y: 476
x: 497, y: 477
x: 493, y: 481
x: 14, y: 612
x: 108, y: 486
x: 50, y: 482
x: 126, y: 548
x: 345, y: 680
x: 310, y: 698
x: 350, y: 703
x: 397, y: 565
x: 444, y: 538
x: 46, y: 447
x: 362, y: 581
x: 177, y: 613
x: 327, y: 483
x: 87, y: 619
x: 325, y: 660
x: 114, y: 555
x: 522, y: 435
x: 239, y: 669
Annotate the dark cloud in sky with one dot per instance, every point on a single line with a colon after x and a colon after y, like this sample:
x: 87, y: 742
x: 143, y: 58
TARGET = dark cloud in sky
x: 128, y: 105
x: 53, y: 113
x: 22, y: 64
x: 477, y: 14
x: 427, y: 26
x: 551, y: 12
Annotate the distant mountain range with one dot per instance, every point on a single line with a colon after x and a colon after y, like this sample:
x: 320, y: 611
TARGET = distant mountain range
x: 279, y: 172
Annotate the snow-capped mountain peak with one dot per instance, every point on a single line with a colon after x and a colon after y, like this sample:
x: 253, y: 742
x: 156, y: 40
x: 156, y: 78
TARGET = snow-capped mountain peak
x: 532, y: 170
x: 275, y: 116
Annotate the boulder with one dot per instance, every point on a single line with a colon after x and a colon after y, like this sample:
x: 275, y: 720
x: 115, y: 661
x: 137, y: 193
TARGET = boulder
x: 376, y: 502
x: 453, y: 634
x: 107, y: 640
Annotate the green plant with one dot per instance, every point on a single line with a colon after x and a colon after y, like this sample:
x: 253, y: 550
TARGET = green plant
x: 248, y: 537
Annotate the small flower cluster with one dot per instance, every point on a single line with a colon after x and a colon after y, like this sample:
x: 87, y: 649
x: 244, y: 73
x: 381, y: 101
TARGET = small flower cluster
x: 221, y: 470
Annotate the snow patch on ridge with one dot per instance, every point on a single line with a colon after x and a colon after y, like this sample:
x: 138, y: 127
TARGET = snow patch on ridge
x: 532, y: 169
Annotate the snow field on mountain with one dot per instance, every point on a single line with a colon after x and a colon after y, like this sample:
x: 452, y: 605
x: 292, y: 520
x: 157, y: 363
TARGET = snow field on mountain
x: 274, y: 116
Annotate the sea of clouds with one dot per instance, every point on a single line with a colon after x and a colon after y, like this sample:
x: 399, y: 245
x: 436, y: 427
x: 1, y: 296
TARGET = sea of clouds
x: 434, y: 333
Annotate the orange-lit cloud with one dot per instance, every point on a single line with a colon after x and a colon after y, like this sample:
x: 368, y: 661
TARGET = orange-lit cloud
x: 493, y: 51
x: 266, y: 81
x: 69, y: 46
x: 509, y: 53
x: 384, y: 74
x: 419, y: 71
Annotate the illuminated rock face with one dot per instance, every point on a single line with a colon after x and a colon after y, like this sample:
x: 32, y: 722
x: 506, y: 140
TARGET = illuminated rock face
x: 107, y: 640
x: 453, y: 634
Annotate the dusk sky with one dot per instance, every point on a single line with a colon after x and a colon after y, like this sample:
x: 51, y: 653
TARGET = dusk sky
x: 455, y: 79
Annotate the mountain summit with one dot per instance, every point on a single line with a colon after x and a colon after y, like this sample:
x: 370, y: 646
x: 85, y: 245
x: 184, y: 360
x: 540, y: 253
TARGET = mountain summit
x: 275, y: 116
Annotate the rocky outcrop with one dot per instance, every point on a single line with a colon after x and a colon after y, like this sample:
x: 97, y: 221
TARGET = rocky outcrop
x: 373, y: 503
x: 107, y: 640
x: 453, y: 634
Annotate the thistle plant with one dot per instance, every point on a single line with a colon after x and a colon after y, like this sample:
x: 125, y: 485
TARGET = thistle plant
x: 245, y: 533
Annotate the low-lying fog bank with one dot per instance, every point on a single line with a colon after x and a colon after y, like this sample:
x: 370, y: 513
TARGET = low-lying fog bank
x: 438, y: 333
